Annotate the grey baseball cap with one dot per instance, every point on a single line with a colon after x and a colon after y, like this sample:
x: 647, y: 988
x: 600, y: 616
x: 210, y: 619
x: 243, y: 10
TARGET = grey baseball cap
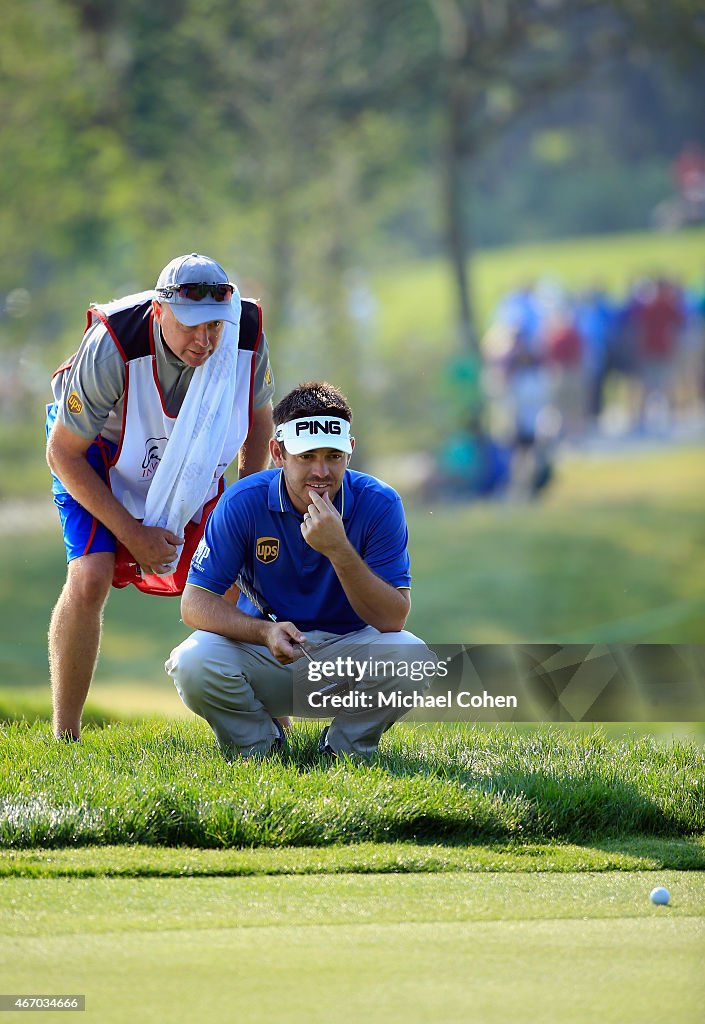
x: 198, y: 290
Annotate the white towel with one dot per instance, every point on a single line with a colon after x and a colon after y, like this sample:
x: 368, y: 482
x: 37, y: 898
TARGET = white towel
x: 184, y: 476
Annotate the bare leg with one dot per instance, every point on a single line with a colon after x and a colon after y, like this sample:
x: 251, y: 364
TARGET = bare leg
x: 74, y: 638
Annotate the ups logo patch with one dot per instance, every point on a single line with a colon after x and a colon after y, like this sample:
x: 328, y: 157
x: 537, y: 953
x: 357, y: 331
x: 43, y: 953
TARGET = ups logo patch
x: 267, y: 549
x: 74, y: 403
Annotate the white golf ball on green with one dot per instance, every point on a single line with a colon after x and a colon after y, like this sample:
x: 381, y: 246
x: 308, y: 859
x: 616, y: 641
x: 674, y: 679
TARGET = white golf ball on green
x: 660, y: 895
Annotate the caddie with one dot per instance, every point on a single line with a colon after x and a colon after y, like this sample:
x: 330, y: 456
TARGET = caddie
x: 167, y: 387
x: 325, y: 548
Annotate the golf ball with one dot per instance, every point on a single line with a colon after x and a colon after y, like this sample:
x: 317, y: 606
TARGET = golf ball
x: 660, y: 895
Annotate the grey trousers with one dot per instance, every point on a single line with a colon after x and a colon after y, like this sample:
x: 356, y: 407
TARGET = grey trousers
x: 238, y: 688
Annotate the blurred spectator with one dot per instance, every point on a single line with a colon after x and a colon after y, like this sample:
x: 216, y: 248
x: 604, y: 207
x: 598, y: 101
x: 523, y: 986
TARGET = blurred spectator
x: 563, y: 348
x: 689, y: 174
x: 623, y: 356
x: 596, y: 361
x: 461, y: 386
x: 689, y: 383
x: 659, y: 317
x: 596, y: 320
x: 519, y: 312
x: 687, y: 205
x: 622, y: 374
x: 471, y: 464
x: 529, y: 386
x: 554, y: 365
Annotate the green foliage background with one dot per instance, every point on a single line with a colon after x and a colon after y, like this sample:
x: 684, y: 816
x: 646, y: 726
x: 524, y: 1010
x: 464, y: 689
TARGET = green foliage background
x: 305, y: 145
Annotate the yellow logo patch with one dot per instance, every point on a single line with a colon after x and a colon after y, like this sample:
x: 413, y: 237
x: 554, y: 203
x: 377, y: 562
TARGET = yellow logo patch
x: 267, y: 549
x: 74, y: 403
x: 268, y: 375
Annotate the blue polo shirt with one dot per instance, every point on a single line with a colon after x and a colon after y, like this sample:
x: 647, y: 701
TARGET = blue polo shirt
x: 255, y: 529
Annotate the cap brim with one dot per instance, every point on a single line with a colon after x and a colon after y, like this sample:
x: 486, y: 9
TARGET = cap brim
x: 193, y: 313
x: 300, y: 446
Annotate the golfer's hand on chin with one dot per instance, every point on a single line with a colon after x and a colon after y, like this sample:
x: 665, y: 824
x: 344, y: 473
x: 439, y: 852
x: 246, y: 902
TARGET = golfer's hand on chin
x: 323, y: 528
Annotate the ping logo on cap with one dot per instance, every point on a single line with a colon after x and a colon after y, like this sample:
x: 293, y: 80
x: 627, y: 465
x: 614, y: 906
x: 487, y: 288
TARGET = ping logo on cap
x: 317, y: 427
x: 267, y: 549
x: 308, y: 432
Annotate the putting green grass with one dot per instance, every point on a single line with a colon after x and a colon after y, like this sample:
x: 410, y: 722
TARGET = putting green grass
x: 626, y: 853
x: 379, y: 948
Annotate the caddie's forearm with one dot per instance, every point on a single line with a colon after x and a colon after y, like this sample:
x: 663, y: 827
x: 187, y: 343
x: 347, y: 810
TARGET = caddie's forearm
x: 84, y: 484
x: 202, y: 609
x: 377, y: 602
x: 254, y: 453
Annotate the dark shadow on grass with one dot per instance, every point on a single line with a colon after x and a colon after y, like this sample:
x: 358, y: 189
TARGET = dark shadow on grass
x: 566, y: 807
x: 680, y: 854
x: 581, y: 808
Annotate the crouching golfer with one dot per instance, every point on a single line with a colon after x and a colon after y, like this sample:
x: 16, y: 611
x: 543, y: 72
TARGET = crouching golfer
x: 326, y: 550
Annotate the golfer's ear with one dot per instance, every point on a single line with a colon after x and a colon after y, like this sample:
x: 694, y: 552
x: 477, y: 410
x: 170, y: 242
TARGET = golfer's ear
x: 277, y: 452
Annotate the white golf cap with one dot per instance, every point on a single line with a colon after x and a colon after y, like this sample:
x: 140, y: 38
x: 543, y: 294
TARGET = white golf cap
x: 222, y: 302
x: 309, y: 432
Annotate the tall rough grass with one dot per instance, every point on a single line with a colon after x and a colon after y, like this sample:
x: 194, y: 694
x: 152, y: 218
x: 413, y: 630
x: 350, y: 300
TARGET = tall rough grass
x: 159, y: 783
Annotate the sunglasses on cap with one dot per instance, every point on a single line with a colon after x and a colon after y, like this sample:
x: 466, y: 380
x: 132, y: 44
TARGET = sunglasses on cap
x: 196, y: 292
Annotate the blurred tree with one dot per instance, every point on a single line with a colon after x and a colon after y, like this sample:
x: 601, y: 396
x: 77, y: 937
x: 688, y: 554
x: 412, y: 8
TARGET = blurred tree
x: 316, y: 95
x: 47, y: 102
x: 301, y: 141
x: 501, y: 58
x: 307, y: 86
x: 73, y: 191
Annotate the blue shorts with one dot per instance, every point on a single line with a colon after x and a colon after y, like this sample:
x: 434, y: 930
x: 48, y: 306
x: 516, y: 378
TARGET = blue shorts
x: 83, y: 533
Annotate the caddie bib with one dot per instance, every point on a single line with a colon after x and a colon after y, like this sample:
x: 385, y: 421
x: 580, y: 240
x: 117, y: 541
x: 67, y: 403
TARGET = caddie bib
x: 147, y: 426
